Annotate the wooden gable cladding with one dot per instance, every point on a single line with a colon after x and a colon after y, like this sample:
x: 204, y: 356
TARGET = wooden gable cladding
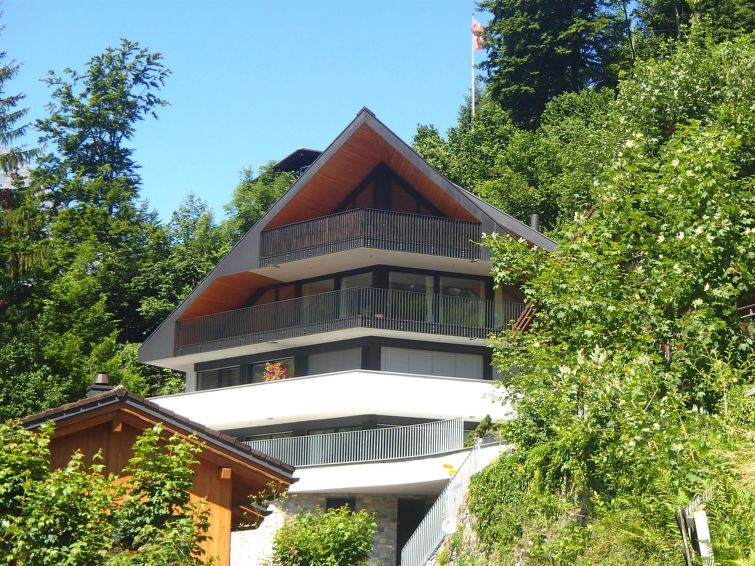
x: 228, y: 472
x: 347, y: 167
x: 227, y: 293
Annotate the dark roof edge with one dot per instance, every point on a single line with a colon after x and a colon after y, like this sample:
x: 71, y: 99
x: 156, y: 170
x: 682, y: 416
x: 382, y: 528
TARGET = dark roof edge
x: 120, y: 394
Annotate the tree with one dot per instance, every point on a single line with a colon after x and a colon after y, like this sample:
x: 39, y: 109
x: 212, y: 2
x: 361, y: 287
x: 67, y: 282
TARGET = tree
x: 77, y: 515
x: 538, y: 50
x: 194, y: 246
x: 624, y: 386
x: 253, y: 197
x: 336, y: 537
x: 74, y: 309
x: 550, y: 170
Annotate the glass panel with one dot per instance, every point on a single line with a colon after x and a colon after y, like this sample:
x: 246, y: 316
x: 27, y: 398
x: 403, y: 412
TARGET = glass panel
x: 317, y: 287
x: 222, y: 377
x: 273, y: 370
x: 230, y: 376
x: 401, y: 200
x: 461, y: 302
x: 207, y: 379
x: 411, y: 296
x: 321, y: 304
x: 365, y: 199
x: 354, y: 303
x: 266, y: 297
x: 287, y: 292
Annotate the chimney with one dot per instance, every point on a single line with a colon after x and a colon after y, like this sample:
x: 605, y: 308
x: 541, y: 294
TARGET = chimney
x: 100, y: 385
x: 535, y: 219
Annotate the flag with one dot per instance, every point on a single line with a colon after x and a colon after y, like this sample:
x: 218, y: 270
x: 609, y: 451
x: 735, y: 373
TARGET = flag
x: 478, y: 35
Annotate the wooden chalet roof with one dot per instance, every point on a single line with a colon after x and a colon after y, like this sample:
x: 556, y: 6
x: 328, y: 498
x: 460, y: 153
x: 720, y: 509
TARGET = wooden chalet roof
x: 119, y: 397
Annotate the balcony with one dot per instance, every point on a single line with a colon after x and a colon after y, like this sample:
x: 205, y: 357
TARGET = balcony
x: 371, y: 228
x: 361, y: 446
x: 359, y: 307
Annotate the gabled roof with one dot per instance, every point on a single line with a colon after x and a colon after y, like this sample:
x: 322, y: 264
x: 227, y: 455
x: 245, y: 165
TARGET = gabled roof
x: 365, y: 143
x: 120, y: 397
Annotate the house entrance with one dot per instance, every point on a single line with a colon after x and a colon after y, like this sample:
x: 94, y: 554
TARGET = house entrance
x: 410, y: 513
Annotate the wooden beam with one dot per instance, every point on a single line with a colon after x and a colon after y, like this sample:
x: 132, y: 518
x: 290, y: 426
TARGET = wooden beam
x: 224, y: 473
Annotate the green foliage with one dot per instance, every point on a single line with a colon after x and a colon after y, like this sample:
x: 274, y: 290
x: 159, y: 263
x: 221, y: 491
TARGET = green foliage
x: 12, y: 157
x: 540, y: 49
x: 336, y: 537
x: 629, y: 386
x: 78, y: 250
x: 253, y: 197
x: 194, y: 245
x: 551, y: 169
x: 76, y: 515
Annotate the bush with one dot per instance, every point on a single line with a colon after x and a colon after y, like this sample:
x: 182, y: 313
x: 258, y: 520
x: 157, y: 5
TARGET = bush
x: 336, y: 537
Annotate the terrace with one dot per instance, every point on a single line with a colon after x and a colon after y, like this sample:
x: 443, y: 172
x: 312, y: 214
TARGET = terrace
x: 358, y: 307
x: 371, y: 228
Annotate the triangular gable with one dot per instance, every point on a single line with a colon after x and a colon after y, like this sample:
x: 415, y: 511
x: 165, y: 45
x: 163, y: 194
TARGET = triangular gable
x: 364, y: 143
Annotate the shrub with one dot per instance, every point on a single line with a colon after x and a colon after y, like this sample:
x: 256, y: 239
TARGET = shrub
x: 336, y: 537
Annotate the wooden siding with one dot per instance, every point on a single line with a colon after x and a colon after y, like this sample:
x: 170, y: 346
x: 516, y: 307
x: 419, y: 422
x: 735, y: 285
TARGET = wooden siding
x: 112, y: 430
x: 361, y: 153
x: 227, y: 293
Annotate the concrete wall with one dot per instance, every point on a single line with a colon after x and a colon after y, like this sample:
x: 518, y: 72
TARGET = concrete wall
x: 254, y: 547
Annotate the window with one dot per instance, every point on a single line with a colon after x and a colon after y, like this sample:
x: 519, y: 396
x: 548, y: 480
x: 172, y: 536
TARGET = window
x: 411, y: 296
x: 221, y: 377
x: 354, y: 303
x: 338, y: 502
x: 461, y: 301
x: 320, y: 304
x: 273, y: 370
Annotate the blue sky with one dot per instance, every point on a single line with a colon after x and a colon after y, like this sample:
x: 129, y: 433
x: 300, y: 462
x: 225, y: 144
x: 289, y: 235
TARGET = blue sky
x: 253, y: 80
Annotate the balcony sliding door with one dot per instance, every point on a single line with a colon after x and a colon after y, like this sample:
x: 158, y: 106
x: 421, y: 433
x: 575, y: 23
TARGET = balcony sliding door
x: 354, y: 302
x: 461, y: 301
x: 410, y: 296
x: 319, y: 303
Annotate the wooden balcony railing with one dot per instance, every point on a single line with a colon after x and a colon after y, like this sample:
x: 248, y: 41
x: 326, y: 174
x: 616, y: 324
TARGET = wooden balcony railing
x: 370, y: 228
x: 365, y: 307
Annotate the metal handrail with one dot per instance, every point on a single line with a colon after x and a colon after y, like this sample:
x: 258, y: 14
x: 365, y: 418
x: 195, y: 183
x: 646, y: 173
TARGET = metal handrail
x: 366, y: 307
x: 383, y: 444
x: 371, y: 228
x: 429, y: 534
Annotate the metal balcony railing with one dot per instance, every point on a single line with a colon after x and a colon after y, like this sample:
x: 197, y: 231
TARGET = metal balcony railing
x: 747, y: 311
x: 371, y: 228
x: 382, y: 444
x: 359, y: 307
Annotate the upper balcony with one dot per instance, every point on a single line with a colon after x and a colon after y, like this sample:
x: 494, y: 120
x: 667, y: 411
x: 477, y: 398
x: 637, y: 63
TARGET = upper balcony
x: 358, y: 307
x: 371, y: 228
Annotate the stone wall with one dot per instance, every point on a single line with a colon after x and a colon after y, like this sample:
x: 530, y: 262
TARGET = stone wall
x: 254, y: 547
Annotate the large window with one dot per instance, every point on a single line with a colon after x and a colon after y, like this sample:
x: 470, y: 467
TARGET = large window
x: 319, y: 304
x: 461, y: 301
x: 411, y: 296
x: 222, y: 377
x: 355, y: 303
x: 273, y: 370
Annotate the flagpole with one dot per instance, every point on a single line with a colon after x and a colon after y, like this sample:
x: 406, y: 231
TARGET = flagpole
x: 473, y: 72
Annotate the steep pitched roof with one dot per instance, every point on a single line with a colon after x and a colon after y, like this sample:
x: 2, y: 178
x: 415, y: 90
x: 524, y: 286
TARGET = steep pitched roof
x: 119, y: 396
x: 358, y: 149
